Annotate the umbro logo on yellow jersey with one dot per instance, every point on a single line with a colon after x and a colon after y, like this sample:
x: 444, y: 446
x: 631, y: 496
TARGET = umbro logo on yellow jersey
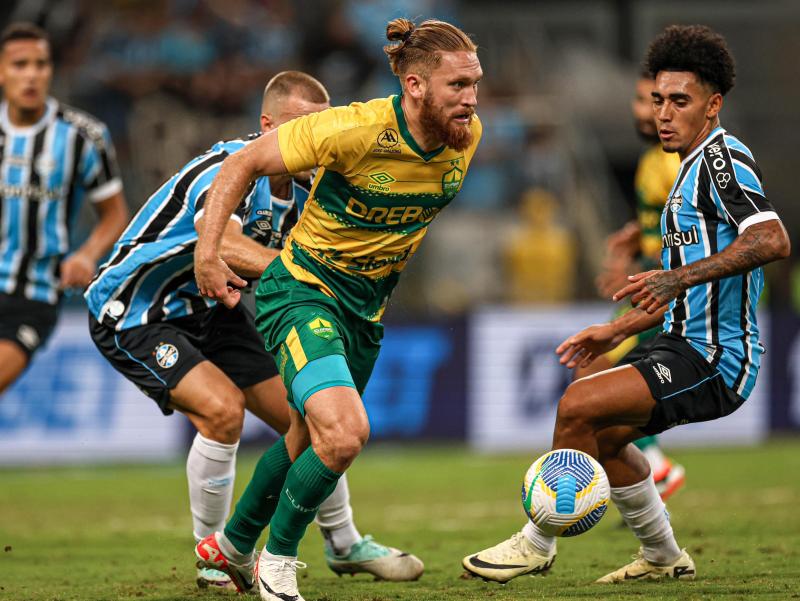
x: 381, y: 180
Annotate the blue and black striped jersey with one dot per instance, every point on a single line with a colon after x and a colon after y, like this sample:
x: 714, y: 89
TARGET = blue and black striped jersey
x: 46, y: 171
x: 149, y: 276
x: 717, y: 195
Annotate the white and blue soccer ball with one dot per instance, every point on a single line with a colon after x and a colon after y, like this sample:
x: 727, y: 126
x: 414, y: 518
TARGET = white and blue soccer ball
x: 565, y: 492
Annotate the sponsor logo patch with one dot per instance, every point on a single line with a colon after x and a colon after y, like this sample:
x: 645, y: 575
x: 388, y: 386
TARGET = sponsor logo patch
x: 388, y: 142
x: 719, y: 164
x: 672, y: 239
x: 388, y: 138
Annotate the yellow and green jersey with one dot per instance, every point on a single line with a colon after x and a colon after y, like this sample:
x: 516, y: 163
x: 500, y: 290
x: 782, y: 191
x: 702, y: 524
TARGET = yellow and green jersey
x: 373, y: 197
x: 655, y: 175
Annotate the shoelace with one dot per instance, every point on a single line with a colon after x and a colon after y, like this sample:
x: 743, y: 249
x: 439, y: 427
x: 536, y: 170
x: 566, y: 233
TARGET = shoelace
x: 285, y: 576
x: 517, y: 546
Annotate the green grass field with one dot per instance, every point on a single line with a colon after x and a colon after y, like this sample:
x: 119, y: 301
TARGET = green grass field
x: 125, y: 533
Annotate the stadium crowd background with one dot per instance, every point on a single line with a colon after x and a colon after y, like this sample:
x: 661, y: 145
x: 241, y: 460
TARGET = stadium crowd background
x: 552, y: 178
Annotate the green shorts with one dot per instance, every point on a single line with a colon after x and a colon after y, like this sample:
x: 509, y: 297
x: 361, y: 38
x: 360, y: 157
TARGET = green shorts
x: 316, y: 344
x: 615, y: 355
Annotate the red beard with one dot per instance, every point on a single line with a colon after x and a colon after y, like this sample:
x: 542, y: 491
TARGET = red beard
x: 432, y: 118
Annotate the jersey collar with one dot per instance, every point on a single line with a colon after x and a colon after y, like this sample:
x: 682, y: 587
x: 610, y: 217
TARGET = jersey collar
x: 50, y: 110
x: 714, y: 133
x: 412, y: 143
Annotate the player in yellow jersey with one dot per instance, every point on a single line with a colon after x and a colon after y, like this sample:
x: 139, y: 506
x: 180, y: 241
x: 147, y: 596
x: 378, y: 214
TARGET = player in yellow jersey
x: 637, y: 247
x: 386, y: 169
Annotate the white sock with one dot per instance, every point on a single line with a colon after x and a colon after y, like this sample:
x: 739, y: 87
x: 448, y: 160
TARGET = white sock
x: 646, y: 515
x: 210, y: 469
x: 335, y: 519
x: 546, y: 545
x: 230, y: 551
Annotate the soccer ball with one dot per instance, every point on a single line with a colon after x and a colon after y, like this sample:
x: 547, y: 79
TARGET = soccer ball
x: 565, y: 492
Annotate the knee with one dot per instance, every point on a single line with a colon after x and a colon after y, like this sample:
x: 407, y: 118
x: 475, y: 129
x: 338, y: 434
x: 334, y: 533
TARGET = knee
x: 572, y: 408
x: 224, y: 416
x: 342, y: 446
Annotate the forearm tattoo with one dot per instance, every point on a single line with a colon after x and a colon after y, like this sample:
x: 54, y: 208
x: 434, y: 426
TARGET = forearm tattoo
x: 757, y: 245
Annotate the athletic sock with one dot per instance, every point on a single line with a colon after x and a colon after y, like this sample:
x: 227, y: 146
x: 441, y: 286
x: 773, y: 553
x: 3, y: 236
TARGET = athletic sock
x: 646, y: 515
x: 259, y: 500
x: 335, y: 520
x: 308, y: 484
x: 230, y: 551
x: 544, y: 544
x: 210, y: 470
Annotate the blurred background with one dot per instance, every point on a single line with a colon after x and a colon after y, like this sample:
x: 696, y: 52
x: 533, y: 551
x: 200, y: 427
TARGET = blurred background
x: 504, y: 275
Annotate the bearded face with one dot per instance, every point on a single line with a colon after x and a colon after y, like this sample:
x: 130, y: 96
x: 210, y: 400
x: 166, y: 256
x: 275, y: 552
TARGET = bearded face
x: 450, y: 125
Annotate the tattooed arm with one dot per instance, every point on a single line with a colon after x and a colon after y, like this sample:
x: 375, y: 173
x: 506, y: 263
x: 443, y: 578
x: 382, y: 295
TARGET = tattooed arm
x: 759, y: 244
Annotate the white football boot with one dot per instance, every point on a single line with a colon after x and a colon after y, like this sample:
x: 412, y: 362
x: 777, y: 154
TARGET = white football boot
x: 276, y: 578
x: 641, y: 569
x: 371, y: 557
x: 513, y: 557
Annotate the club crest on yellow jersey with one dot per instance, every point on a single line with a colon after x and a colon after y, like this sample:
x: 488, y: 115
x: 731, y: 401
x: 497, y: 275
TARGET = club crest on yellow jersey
x: 451, y: 181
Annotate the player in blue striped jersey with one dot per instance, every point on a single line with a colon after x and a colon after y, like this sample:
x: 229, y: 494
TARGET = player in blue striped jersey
x: 53, y: 158
x: 148, y: 278
x: 718, y: 229
x: 189, y: 353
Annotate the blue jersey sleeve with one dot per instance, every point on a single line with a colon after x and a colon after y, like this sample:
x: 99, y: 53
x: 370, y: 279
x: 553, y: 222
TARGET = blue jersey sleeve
x: 736, y: 185
x: 98, y: 169
x: 204, y: 170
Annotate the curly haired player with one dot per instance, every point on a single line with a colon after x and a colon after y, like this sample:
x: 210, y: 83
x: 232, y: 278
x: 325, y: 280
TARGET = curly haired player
x: 717, y: 230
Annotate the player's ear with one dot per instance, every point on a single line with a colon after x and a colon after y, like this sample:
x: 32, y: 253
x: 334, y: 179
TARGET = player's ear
x: 714, y: 105
x: 415, y: 85
x: 267, y: 123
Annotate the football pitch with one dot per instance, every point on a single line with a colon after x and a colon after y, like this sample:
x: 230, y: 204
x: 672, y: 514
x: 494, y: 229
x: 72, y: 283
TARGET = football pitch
x: 124, y: 532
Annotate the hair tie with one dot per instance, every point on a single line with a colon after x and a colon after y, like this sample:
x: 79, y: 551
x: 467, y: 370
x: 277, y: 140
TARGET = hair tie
x: 407, y: 35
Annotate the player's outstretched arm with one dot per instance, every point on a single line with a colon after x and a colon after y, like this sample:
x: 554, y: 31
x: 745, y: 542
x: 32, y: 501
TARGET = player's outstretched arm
x: 588, y: 344
x: 759, y: 244
x: 242, y: 254
x: 261, y: 157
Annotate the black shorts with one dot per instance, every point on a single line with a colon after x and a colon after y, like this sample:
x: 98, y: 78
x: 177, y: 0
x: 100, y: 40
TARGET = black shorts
x: 156, y: 356
x: 29, y: 323
x: 686, y: 387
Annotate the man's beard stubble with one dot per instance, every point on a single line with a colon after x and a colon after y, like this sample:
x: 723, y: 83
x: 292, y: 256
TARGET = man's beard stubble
x: 432, y: 118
